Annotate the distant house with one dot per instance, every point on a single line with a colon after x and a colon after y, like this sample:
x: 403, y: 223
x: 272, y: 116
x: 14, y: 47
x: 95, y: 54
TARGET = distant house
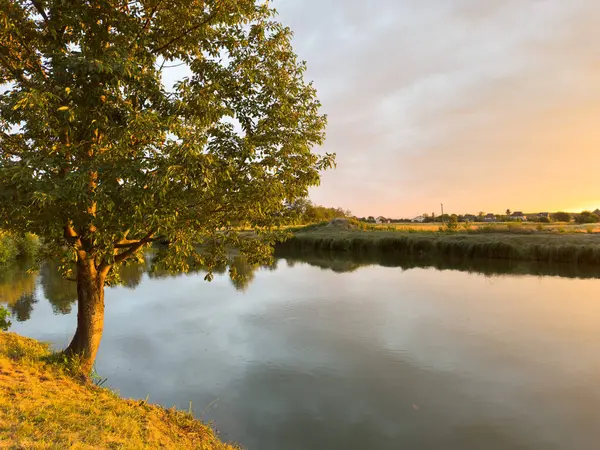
x: 490, y: 218
x: 419, y: 219
x: 518, y: 215
x: 382, y: 219
x: 543, y: 215
x: 470, y: 218
x: 597, y: 212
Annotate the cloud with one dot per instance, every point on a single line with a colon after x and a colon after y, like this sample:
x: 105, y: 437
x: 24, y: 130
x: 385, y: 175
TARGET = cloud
x: 482, y: 105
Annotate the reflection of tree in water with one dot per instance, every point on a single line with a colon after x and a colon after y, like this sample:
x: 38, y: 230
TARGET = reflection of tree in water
x: 22, y: 308
x: 272, y: 266
x: 17, y: 287
x: 130, y: 275
x: 335, y: 263
x: 15, y: 282
x: 350, y: 261
x: 17, y: 290
x: 241, y: 273
x: 61, y: 293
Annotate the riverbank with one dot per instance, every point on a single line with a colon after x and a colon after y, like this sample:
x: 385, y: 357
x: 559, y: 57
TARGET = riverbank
x: 579, y: 248
x: 42, y: 406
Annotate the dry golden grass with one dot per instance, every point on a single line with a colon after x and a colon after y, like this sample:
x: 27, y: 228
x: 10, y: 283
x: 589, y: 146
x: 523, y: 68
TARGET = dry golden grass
x: 42, y: 407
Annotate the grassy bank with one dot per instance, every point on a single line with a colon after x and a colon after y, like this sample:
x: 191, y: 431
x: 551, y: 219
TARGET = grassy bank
x: 43, y: 407
x: 580, y: 248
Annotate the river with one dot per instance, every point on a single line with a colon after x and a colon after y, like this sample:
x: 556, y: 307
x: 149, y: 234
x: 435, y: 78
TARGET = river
x: 320, y: 353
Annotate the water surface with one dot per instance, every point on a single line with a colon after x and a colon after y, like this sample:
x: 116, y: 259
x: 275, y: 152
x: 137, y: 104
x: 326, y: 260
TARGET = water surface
x: 335, y: 354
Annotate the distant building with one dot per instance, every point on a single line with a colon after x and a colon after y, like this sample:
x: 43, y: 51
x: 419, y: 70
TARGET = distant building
x: 518, y: 215
x: 382, y: 219
x: 597, y: 212
x: 419, y: 219
x: 543, y: 215
x: 490, y: 218
x: 470, y: 218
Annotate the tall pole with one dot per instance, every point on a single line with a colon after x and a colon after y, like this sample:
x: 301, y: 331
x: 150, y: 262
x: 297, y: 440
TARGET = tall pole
x: 442, y: 211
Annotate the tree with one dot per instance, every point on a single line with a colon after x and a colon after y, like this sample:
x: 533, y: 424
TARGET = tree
x: 562, y: 216
x: 451, y: 224
x: 587, y: 217
x: 99, y: 156
x: 508, y: 213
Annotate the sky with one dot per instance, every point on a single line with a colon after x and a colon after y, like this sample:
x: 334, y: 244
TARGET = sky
x: 479, y: 105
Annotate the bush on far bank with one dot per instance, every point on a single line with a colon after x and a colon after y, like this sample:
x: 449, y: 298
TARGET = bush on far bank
x: 587, y: 217
x: 14, y: 246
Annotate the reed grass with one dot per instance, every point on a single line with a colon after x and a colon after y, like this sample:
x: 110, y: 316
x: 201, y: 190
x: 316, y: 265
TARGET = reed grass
x: 580, y: 248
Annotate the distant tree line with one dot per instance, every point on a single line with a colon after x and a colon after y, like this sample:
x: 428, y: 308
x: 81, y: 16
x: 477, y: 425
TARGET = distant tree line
x: 303, y: 211
x: 587, y: 217
x: 561, y: 216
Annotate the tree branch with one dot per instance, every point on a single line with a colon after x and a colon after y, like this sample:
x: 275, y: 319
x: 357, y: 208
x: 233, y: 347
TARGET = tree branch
x: 32, y: 55
x: 148, y: 20
x: 127, y: 243
x: 39, y: 8
x: 71, y: 236
x: 134, y: 247
x: 185, y: 33
x: 15, y: 72
x: 150, y: 17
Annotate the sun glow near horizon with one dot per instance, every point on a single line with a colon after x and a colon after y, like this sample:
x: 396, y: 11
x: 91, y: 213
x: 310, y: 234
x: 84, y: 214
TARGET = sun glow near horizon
x: 502, y: 116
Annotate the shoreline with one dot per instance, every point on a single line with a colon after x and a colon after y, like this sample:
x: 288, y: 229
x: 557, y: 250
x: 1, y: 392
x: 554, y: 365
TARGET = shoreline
x: 43, y: 406
x: 573, y: 248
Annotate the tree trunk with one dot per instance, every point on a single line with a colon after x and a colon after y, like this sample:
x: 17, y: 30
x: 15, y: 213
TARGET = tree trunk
x: 90, y: 314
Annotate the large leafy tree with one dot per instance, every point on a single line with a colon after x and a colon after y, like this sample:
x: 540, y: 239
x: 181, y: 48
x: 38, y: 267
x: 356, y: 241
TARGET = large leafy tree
x: 100, y: 157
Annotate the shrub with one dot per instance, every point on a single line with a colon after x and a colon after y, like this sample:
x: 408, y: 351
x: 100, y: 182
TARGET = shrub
x: 451, y: 225
x: 28, y: 245
x: 587, y: 217
x: 8, y: 248
x: 17, y: 246
x: 488, y: 228
x: 562, y: 216
x: 4, y: 322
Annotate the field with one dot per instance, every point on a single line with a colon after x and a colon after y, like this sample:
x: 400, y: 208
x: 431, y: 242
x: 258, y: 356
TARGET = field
x: 556, y: 227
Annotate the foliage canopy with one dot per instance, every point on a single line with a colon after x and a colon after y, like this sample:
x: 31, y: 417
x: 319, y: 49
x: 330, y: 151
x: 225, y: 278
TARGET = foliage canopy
x: 98, y: 151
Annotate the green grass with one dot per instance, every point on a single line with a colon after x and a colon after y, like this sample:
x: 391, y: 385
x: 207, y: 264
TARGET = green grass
x: 43, y: 407
x: 580, y: 248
